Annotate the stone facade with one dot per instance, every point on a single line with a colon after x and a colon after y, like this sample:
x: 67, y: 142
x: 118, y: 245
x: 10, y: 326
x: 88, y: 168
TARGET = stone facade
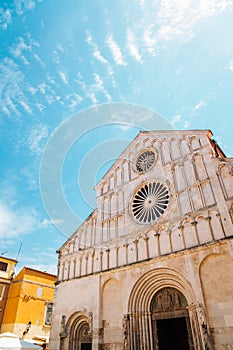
x: 151, y: 267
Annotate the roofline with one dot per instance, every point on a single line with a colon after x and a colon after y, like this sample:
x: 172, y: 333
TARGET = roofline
x: 196, y: 131
x: 30, y: 268
x: 77, y: 229
x: 4, y: 257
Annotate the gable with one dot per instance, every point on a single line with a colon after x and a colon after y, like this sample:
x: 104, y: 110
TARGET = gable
x: 159, y: 166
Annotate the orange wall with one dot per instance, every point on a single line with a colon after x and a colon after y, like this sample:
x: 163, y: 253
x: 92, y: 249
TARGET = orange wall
x: 27, y: 299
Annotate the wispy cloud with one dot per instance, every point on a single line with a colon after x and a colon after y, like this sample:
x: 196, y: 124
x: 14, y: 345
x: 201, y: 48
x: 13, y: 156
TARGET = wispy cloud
x: 63, y: 77
x: 5, y: 18
x: 93, y: 89
x: 26, y: 107
x: 52, y: 221
x: 132, y: 47
x: 36, y: 139
x: 186, y: 124
x: 87, y: 90
x: 22, y: 5
x: 176, y: 19
x: 38, y: 59
x: 16, y: 222
x: 74, y: 100
x: 116, y: 51
x: 12, y: 84
x: 230, y: 65
x: 23, y: 45
x: 175, y: 119
x: 150, y: 41
x: 199, y: 105
x: 15, y: 8
x: 98, y: 56
x: 100, y: 87
x: 96, y: 52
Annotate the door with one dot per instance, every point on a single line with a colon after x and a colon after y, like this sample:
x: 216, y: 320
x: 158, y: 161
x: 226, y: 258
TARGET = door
x: 172, y: 334
x: 86, y: 346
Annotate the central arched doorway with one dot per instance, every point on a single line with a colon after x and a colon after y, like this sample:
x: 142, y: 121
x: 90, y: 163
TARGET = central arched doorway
x: 162, y: 305
x: 170, y: 320
x: 162, y: 300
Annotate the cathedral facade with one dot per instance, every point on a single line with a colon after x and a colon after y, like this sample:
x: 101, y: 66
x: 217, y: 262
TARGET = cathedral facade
x: 151, y: 268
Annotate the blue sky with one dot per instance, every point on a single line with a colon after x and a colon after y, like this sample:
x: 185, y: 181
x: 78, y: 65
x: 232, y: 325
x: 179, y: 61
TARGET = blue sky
x: 58, y: 58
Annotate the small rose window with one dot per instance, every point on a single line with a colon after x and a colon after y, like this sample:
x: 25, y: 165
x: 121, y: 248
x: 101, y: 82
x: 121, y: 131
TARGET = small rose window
x: 145, y: 161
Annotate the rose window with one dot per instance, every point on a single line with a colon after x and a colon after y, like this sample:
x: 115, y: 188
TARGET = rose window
x: 150, y: 202
x: 145, y: 161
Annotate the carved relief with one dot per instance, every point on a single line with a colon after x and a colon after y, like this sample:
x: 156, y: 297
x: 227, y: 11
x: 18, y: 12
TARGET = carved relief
x: 63, y: 332
x: 202, y: 338
x: 168, y: 299
x: 125, y: 326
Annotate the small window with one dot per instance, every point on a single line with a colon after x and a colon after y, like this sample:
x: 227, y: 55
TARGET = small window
x: 48, y: 314
x: 3, y: 266
x: 2, y: 287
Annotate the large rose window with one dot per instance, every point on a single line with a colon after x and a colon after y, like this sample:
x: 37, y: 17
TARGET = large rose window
x: 149, y: 202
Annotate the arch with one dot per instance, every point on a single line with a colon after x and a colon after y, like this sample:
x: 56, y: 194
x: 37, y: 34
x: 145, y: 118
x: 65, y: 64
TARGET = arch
x: 226, y: 180
x: 105, y: 187
x: 165, y: 151
x: 175, y: 151
x: 111, y: 301
x: 112, y: 181
x: 216, y: 279
x: 142, y: 331
x: 213, y: 268
x: 118, y: 176
x: 195, y: 143
x: 156, y: 144
x: 147, y: 142
x: 78, y: 330
x: 146, y: 287
x: 184, y: 146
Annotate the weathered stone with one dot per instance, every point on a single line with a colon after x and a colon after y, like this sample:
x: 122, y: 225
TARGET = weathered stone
x: 161, y: 235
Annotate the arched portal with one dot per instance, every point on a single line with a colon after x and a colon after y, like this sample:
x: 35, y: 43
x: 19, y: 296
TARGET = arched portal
x: 80, y: 338
x: 77, y: 333
x: 170, y: 320
x: 163, y: 299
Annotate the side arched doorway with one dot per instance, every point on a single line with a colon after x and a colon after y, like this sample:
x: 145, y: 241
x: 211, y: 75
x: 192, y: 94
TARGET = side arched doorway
x: 77, y: 332
x: 80, y: 338
x: 170, y: 321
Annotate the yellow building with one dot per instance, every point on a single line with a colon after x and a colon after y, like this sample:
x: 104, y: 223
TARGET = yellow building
x: 7, y: 269
x: 29, y: 307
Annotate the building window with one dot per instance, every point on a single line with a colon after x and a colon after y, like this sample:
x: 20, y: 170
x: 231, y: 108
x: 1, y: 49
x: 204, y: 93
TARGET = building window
x: 149, y: 202
x: 145, y: 161
x: 48, y: 314
x: 3, y: 266
x: 2, y: 288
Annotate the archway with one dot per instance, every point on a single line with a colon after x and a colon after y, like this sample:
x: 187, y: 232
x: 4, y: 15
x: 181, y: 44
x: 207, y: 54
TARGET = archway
x: 77, y: 332
x: 145, y: 324
x: 80, y: 337
x: 170, y: 321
